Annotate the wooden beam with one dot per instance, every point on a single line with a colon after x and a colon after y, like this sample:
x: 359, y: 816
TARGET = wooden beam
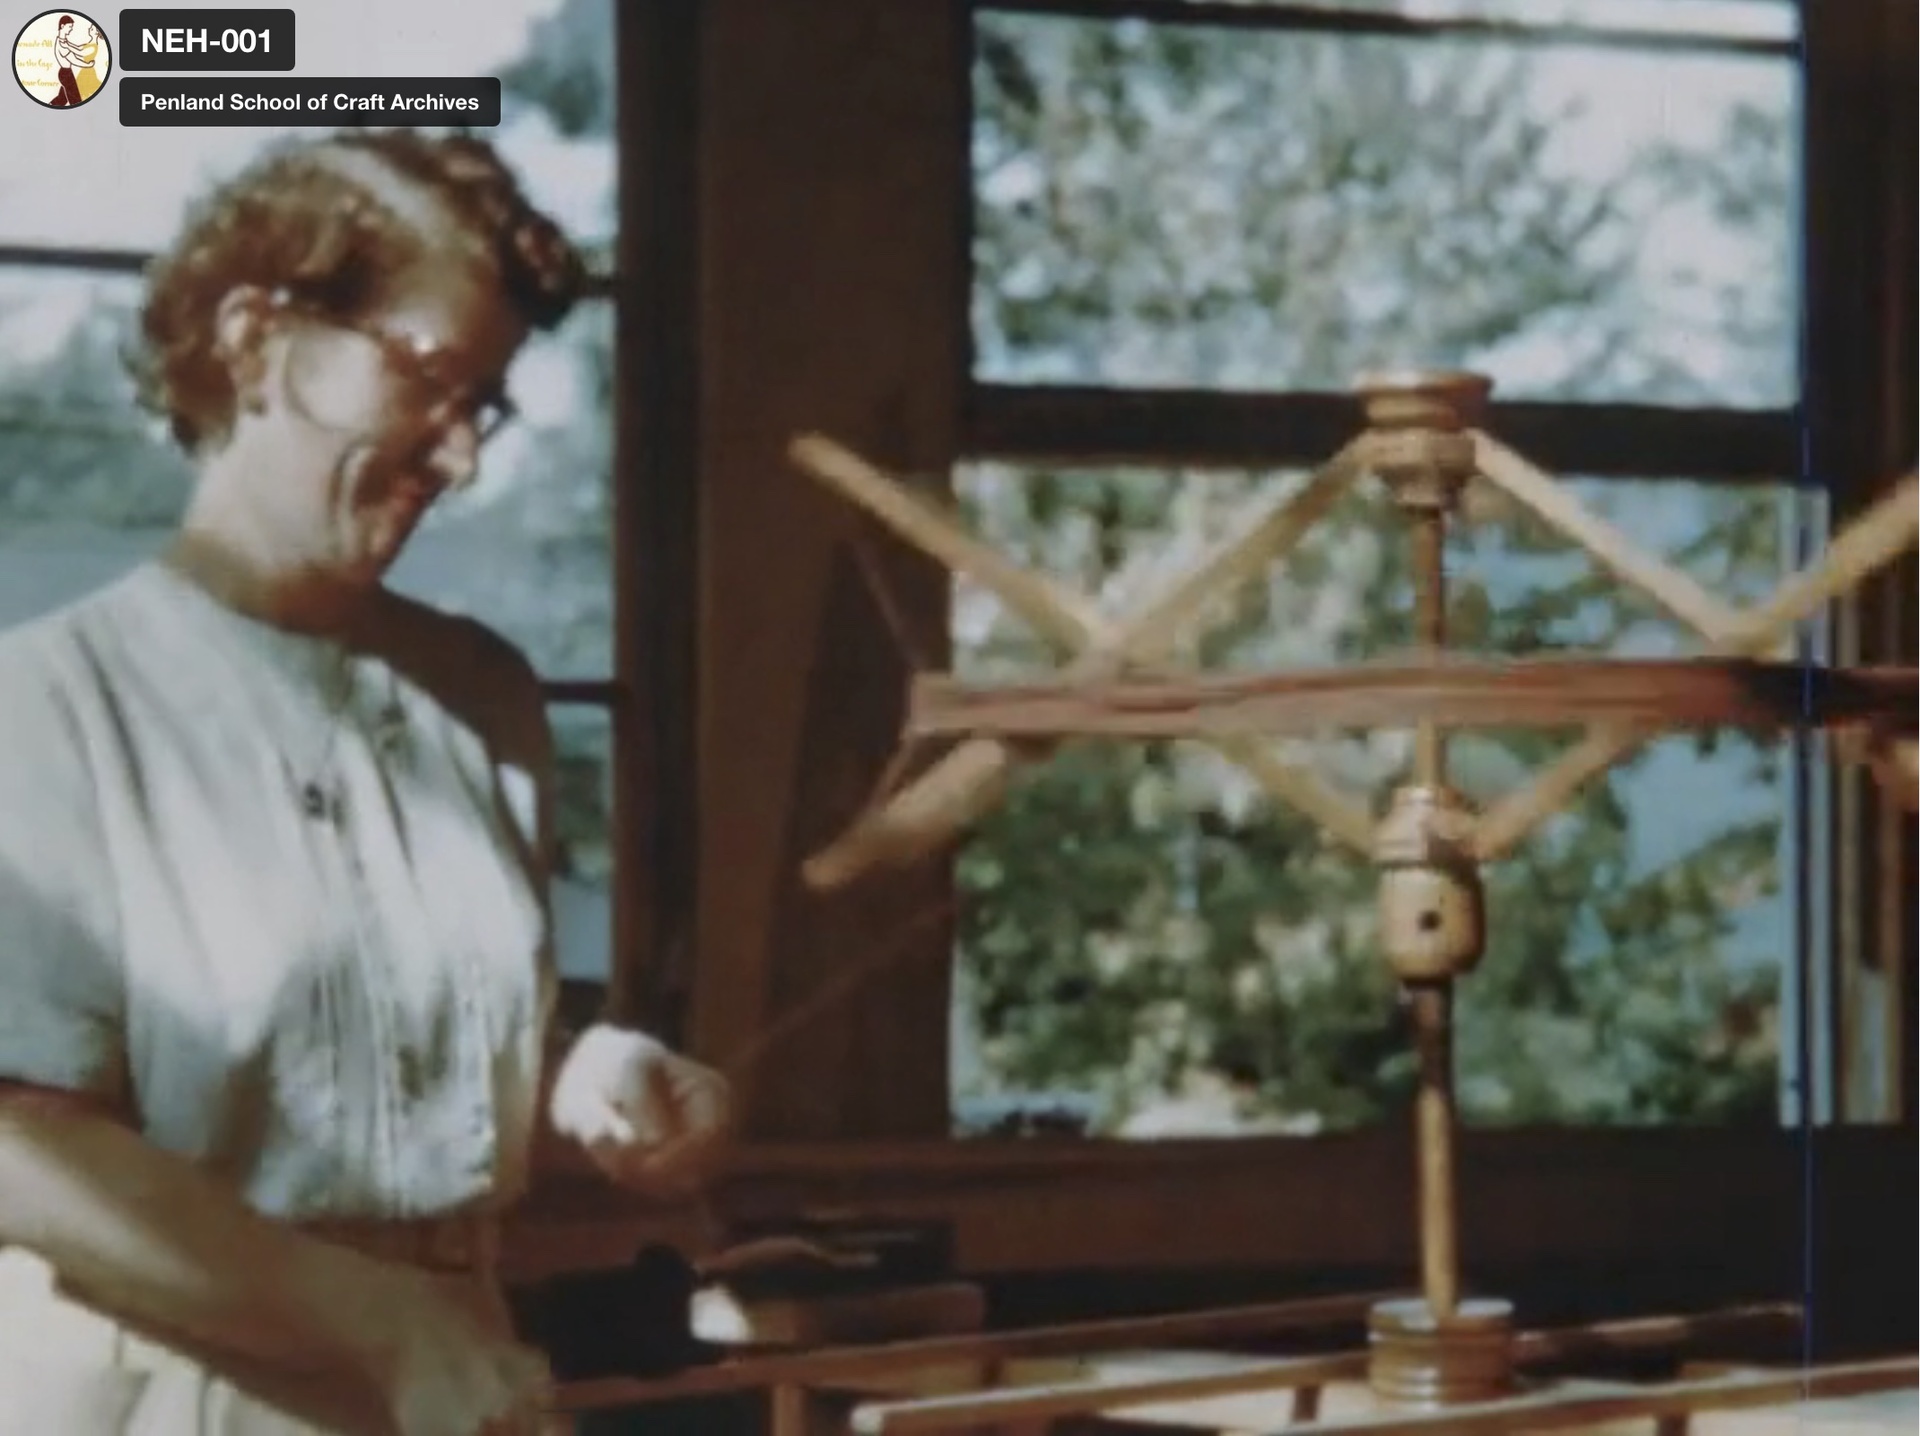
x: 1646, y: 1200
x: 609, y: 693
x: 1456, y: 693
x: 973, y: 1410
x: 1861, y: 380
x: 869, y: 1367
x: 1059, y: 424
x: 834, y: 185
x: 656, y: 451
x: 1558, y: 1406
x: 1581, y: 1407
x: 849, y: 1366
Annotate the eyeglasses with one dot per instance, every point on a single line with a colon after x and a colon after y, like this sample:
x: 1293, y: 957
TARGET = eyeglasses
x: 439, y: 394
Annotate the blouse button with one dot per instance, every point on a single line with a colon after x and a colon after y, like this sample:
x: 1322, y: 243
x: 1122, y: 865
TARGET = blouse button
x: 412, y: 1077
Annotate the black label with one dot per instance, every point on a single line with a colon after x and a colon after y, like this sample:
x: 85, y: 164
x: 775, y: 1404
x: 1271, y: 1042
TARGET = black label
x: 334, y: 104
x: 201, y: 40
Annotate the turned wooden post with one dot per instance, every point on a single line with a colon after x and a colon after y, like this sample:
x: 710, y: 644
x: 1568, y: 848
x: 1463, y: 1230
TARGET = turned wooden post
x: 1435, y: 1350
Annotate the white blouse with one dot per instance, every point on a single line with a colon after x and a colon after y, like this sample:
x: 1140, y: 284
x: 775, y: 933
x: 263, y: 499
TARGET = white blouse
x: 282, y: 902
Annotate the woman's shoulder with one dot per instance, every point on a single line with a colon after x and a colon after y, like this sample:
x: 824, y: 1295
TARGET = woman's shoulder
x: 90, y: 645
x: 75, y: 631
x: 29, y: 668
x: 36, y: 653
x: 45, y: 664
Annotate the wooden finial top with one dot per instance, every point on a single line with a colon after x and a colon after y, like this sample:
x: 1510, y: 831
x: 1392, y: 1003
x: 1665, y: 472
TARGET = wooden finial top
x: 1448, y: 399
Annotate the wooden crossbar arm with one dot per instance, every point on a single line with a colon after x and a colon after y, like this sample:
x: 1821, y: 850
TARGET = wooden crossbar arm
x: 1452, y: 692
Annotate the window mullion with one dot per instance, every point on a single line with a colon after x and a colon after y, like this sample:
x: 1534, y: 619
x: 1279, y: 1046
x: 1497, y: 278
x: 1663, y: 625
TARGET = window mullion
x: 1080, y: 425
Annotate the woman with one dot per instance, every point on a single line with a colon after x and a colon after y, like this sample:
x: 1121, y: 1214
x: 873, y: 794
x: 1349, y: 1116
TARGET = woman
x: 86, y: 79
x: 274, y: 953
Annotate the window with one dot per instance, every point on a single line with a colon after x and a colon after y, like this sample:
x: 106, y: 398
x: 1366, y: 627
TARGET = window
x: 88, y: 487
x: 1185, y: 206
x: 1232, y: 210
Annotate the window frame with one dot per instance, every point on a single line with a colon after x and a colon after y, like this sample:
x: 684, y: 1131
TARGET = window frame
x: 1088, y: 425
x: 1072, y: 424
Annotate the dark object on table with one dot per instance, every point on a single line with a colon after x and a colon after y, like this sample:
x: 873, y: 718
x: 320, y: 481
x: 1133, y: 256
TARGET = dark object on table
x: 635, y: 1320
x: 833, y: 1252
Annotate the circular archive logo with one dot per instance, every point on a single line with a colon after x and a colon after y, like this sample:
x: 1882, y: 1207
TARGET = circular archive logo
x: 62, y: 59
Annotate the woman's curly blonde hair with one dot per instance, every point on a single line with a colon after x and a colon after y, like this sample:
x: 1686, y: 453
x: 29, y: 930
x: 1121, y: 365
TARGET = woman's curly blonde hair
x: 298, y: 220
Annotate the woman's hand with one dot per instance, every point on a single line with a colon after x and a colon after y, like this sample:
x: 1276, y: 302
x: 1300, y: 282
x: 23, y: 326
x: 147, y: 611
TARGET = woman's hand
x: 444, y: 1362
x: 162, y: 1246
x: 652, y: 1120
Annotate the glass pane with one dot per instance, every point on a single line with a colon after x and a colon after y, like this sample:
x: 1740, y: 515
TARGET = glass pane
x: 89, y: 484
x: 1230, y: 208
x: 1147, y: 939
x: 583, y: 884
x: 98, y: 185
x: 529, y: 549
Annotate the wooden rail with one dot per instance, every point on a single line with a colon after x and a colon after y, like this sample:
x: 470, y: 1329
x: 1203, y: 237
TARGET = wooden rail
x: 1056, y: 1401
x: 822, y: 1369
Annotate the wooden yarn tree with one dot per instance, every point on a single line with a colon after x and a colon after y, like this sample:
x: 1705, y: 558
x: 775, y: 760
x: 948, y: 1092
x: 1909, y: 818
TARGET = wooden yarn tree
x: 1423, y: 441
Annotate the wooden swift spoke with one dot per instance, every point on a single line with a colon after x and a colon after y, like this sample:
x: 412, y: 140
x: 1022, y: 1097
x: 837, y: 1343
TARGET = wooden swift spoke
x: 1673, y: 589
x: 1051, y: 609
x: 968, y: 781
x: 1871, y: 541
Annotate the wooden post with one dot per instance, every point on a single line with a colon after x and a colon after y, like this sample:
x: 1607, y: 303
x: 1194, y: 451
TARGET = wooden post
x: 1432, y: 912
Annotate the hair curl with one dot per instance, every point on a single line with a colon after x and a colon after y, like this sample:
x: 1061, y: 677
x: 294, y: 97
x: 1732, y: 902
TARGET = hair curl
x: 294, y: 221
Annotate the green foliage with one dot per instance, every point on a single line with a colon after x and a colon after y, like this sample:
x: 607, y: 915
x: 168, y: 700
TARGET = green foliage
x: 569, y: 70
x: 1163, y: 205
x: 74, y: 451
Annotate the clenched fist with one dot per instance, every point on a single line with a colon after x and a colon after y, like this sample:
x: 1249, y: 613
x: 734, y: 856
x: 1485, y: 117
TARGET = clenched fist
x: 652, y: 1120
